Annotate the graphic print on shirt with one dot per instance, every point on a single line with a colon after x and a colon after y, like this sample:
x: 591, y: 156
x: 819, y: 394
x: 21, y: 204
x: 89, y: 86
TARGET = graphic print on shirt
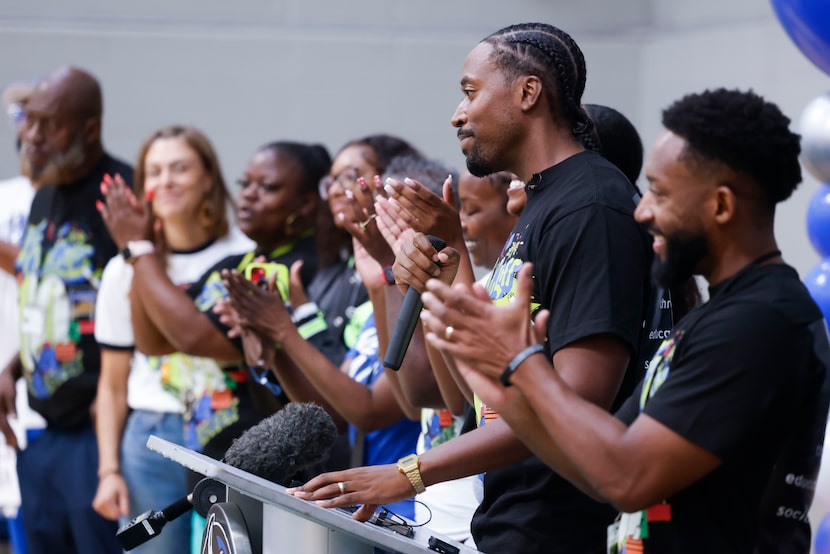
x: 213, y: 291
x: 57, y: 304
x: 659, y: 368
x: 204, y: 390
x: 208, y: 393
x: 438, y: 427
x: 502, y: 287
x: 502, y: 283
x: 365, y: 366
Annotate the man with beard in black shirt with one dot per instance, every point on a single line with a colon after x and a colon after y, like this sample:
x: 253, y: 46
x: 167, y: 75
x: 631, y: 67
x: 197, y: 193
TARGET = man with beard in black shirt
x: 718, y: 448
x: 65, y: 248
x: 521, y: 112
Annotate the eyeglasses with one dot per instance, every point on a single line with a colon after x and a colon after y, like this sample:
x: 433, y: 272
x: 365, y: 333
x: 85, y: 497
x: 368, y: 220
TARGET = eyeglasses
x: 16, y: 113
x: 346, y: 178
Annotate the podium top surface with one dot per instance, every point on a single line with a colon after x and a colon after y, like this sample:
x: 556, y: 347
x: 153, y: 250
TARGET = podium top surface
x: 274, y: 494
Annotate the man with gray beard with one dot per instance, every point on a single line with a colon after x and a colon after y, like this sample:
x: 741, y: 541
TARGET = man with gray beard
x: 64, y: 251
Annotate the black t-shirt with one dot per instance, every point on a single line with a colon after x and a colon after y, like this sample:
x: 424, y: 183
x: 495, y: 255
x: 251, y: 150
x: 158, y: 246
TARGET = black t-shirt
x: 209, y: 289
x: 745, y: 377
x: 338, y: 291
x: 225, y: 424
x: 591, y: 262
x: 64, y: 251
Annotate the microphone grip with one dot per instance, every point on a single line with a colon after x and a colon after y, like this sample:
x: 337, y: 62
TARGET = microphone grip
x: 407, y: 320
x: 404, y: 328
x: 177, y: 508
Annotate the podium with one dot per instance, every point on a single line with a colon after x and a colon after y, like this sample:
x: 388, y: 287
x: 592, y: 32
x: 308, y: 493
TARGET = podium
x: 259, y: 517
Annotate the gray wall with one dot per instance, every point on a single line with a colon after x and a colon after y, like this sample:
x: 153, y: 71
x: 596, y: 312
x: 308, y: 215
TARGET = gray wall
x: 252, y: 71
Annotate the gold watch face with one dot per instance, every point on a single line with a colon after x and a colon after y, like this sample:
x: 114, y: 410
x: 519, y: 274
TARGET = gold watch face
x: 408, y: 463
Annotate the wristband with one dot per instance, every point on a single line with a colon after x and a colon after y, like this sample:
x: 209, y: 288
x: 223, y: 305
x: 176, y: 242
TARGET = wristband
x: 136, y: 248
x: 304, y: 311
x: 517, y: 361
x: 312, y: 325
x: 388, y: 275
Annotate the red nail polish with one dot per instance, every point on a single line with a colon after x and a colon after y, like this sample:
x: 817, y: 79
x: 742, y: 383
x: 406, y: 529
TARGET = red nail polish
x: 107, y: 178
x: 99, y: 205
x: 149, y: 195
x: 361, y: 182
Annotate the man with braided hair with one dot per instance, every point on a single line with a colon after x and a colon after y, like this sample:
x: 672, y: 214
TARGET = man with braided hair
x: 522, y: 113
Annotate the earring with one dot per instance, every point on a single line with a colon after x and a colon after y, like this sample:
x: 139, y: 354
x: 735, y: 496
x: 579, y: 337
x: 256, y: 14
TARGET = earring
x: 289, y: 225
x: 205, y: 216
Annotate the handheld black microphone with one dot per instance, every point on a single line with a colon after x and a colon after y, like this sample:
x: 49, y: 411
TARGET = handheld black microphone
x: 407, y: 320
x: 293, y: 439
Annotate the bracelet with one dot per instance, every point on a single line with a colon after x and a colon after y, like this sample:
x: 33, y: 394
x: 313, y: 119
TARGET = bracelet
x: 517, y: 361
x: 304, y: 311
x: 115, y: 470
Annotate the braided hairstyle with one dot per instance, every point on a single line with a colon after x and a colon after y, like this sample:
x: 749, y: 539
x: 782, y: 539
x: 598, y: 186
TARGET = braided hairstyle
x: 552, y: 55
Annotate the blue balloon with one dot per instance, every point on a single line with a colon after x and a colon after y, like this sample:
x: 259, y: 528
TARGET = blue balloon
x: 808, y: 24
x: 818, y: 220
x: 818, y: 283
x: 822, y: 543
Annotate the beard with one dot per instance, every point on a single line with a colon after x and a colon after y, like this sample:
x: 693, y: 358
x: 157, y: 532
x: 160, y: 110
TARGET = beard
x: 478, y: 166
x: 59, y: 169
x: 478, y: 163
x: 684, y: 251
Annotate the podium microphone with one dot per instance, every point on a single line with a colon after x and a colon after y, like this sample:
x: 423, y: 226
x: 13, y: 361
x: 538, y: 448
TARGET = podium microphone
x: 295, y: 438
x: 407, y: 320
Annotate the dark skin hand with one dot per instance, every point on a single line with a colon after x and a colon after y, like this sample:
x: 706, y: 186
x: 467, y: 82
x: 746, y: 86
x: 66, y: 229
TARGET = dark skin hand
x: 413, y: 207
x: 631, y: 467
x: 258, y: 309
x: 306, y: 373
x: 8, y: 394
x: 419, y: 383
x: 416, y: 263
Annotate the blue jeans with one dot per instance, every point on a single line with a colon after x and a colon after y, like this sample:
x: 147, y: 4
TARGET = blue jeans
x: 58, y: 475
x: 155, y: 482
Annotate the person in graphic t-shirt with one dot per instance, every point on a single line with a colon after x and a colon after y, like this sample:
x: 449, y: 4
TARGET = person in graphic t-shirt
x: 64, y: 251
x: 521, y: 112
x: 718, y: 448
x: 179, y: 173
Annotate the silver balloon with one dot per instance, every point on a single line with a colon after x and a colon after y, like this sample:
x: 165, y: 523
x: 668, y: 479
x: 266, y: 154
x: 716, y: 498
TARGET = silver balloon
x: 815, y: 137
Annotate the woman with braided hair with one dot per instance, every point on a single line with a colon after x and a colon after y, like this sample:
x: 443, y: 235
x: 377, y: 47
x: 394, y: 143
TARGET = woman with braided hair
x: 521, y: 112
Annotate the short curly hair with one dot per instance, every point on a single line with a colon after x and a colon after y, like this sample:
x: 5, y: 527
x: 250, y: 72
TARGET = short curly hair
x: 743, y: 131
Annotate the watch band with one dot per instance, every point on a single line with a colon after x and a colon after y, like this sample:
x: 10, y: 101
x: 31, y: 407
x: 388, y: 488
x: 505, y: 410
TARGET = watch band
x: 388, y: 275
x: 411, y: 467
x: 136, y: 248
x: 517, y: 361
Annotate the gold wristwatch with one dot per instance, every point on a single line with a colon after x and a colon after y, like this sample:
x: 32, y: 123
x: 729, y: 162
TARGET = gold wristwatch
x: 410, y: 466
